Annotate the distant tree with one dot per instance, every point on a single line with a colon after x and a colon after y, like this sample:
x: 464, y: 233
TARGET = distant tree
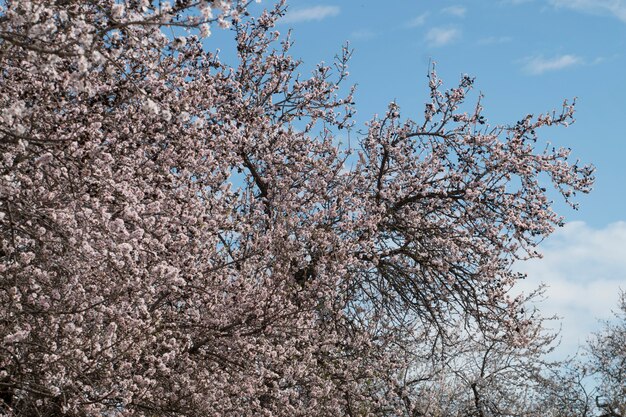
x: 476, y: 372
x: 594, y: 383
x: 181, y: 237
x: 607, y: 353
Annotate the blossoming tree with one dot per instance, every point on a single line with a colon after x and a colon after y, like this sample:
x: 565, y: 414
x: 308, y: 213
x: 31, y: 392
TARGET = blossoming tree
x: 184, y: 237
x: 607, y: 362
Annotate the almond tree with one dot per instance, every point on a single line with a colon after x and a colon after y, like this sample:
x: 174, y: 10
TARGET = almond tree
x: 184, y: 237
x: 594, y: 383
x: 607, y: 361
x: 480, y: 373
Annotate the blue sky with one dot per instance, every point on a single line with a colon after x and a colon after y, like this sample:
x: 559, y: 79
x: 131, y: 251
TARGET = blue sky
x: 527, y: 57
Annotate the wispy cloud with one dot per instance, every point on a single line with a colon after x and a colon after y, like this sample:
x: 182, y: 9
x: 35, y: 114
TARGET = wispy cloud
x: 583, y: 268
x: 442, y: 36
x: 604, y: 59
x: 417, y: 21
x: 310, y: 14
x: 616, y: 8
x: 537, y: 65
x: 458, y: 11
x: 363, y: 34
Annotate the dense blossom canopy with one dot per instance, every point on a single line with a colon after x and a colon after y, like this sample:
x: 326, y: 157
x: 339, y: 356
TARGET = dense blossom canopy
x: 184, y: 237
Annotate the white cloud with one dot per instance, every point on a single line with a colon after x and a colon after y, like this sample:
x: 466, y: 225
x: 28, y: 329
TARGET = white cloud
x: 311, y: 13
x: 417, y: 21
x: 584, y: 269
x: 458, y: 11
x: 442, y: 36
x: 538, y: 64
x: 363, y: 34
x: 616, y: 8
